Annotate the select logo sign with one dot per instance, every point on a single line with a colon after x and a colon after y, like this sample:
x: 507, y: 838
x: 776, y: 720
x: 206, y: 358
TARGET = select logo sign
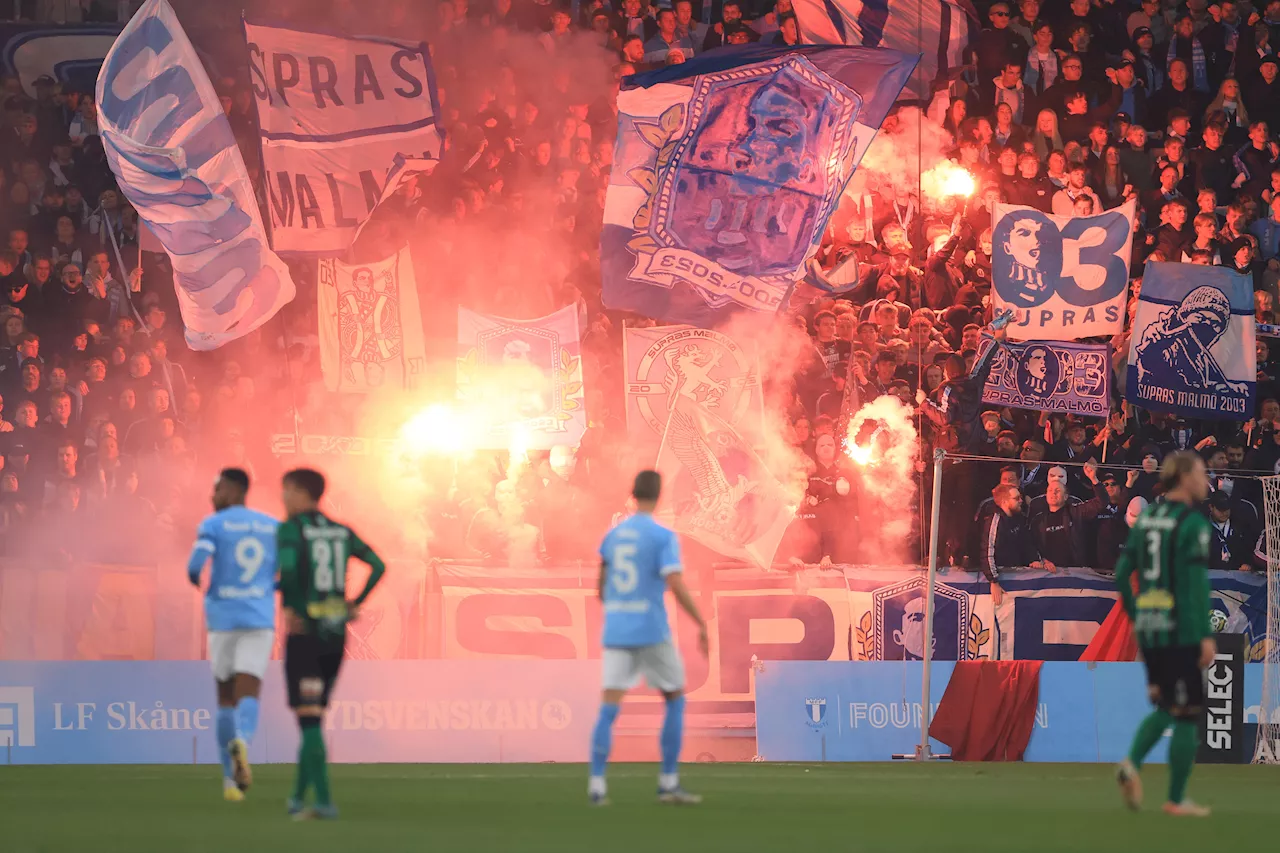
x: 1223, y: 741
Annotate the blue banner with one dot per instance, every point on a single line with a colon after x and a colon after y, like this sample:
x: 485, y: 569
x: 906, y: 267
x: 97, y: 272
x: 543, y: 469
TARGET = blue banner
x: 1064, y: 277
x: 1193, y: 350
x: 171, y: 148
x: 726, y: 170
x: 865, y: 711
x: 1052, y: 377
x: 401, y: 711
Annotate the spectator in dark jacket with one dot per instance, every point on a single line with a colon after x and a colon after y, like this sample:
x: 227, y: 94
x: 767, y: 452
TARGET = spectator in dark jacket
x: 1234, y: 534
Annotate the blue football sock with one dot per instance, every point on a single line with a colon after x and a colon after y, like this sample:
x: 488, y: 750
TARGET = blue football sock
x: 226, y: 733
x: 672, y: 734
x: 602, y: 738
x: 247, y: 718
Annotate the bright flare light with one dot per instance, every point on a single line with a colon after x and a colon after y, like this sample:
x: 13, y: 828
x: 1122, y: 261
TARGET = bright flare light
x: 435, y: 431
x: 947, y: 180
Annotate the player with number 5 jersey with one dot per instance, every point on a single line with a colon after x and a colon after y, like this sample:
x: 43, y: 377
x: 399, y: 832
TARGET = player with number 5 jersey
x: 240, y: 613
x: 313, y: 553
x: 639, y: 562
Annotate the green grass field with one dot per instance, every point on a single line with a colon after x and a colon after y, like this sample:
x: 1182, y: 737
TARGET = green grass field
x: 1020, y: 808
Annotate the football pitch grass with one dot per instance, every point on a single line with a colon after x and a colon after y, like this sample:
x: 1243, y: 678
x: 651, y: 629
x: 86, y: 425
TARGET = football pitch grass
x: 1020, y: 808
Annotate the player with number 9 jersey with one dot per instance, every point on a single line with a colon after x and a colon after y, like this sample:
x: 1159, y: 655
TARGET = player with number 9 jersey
x: 639, y: 554
x: 242, y: 583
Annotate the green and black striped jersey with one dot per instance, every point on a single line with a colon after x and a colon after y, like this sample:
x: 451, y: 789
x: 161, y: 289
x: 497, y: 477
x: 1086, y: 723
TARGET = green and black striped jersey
x: 1168, y: 553
x: 313, y: 551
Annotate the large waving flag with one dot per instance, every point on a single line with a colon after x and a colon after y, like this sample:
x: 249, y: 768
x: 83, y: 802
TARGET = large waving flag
x: 174, y: 156
x: 726, y: 170
x: 717, y: 490
x: 334, y: 112
x: 938, y: 30
x: 1194, y: 346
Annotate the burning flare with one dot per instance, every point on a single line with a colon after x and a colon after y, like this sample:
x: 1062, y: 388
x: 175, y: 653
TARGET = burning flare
x: 948, y: 180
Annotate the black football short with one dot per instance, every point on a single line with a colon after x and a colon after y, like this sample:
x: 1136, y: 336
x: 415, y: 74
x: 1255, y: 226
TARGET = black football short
x: 1175, y: 672
x: 311, y: 667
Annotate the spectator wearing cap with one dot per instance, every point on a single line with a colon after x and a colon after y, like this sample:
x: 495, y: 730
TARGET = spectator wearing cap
x: 1149, y: 17
x: 910, y: 279
x: 1234, y: 534
x: 1262, y: 92
x: 1124, y: 81
x: 1110, y: 528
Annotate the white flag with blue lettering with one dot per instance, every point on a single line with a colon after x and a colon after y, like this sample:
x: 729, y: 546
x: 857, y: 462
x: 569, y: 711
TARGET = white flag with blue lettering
x: 334, y: 114
x: 174, y: 156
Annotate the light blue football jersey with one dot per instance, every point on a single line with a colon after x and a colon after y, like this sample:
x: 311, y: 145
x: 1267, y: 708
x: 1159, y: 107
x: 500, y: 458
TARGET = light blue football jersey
x: 242, y: 583
x: 638, y: 555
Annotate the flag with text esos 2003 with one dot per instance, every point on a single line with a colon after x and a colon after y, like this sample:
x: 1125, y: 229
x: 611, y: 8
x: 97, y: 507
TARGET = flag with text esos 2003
x: 726, y: 170
x: 1193, y: 350
x: 1064, y: 277
x: 171, y: 148
x: 333, y: 113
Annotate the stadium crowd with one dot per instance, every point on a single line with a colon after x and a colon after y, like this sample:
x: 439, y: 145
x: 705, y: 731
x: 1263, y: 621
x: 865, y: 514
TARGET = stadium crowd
x: 112, y: 426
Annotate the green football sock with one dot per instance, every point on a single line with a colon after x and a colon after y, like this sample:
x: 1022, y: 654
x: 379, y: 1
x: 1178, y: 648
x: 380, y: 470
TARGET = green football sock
x: 302, y: 774
x: 1148, y: 735
x: 319, y: 771
x: 1182, y: 757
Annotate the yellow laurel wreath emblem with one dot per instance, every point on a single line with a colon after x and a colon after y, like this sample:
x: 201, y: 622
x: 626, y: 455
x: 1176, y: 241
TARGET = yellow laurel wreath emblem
x: 570, y: 389
x: 866, y: 637
x: 978, y: 637
x: 661, y: 135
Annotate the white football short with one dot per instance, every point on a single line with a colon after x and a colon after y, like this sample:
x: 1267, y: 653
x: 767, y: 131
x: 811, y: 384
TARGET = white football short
x: 244, y: 652
x: 660, y: 664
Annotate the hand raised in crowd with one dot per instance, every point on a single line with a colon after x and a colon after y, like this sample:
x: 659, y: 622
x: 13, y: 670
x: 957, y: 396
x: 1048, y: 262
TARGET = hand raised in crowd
x: 1091, y: 471
x: 1132, y: 478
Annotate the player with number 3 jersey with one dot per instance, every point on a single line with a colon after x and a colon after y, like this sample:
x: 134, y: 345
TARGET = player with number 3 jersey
x: 240, y: 613
x: 639, y: 562
x: 1168, y: 556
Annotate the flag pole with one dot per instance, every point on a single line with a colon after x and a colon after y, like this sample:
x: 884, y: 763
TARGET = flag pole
x: 923, y: 751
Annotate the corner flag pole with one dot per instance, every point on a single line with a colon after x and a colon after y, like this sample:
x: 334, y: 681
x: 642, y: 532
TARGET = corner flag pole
x: 922, y: 751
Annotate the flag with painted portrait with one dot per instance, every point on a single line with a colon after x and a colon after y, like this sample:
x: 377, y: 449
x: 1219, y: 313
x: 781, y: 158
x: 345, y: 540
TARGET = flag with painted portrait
x: 1064, y: 277
x: 726, y: 170
x: 522, y: 379
x: 370, y: 324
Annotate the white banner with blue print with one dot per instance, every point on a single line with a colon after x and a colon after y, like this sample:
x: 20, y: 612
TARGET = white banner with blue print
x: 334, y: 112
x: 1050, y: 376
x: 175, y: 158
x: 726, y: 170
x: 1194, y: 345
x: 1064, y: 277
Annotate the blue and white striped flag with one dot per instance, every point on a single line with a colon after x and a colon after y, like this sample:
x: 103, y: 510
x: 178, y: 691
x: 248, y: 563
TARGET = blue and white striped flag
x: 939, y: 30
